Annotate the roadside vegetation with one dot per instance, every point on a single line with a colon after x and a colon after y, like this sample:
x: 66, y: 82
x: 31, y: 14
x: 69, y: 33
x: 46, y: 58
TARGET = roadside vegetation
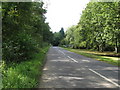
x: 26, y: 37
x: 109, y: 57
x: 24, y: 30
x: 98, y: 28
x: 25, y: 74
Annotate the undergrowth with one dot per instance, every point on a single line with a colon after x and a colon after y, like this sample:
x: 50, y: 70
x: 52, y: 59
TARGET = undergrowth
x: 25, y: 74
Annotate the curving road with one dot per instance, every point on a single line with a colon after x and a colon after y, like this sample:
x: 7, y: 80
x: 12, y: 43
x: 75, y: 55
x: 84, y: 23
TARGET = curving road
x: 65, y: 69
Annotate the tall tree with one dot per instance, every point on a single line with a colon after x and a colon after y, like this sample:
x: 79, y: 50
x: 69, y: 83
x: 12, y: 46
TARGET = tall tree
x: 98, y: 27
x: 24, y: 29
x: 62, y: 34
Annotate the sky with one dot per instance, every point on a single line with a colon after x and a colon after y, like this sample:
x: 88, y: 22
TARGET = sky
x: 64, y: 13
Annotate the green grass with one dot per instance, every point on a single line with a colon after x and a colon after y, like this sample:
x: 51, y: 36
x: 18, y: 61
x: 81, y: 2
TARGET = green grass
x: 96, y: 56
x: 25, y: 74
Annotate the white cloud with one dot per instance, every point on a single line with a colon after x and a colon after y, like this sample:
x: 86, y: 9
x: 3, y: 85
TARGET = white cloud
x: 64, y: 13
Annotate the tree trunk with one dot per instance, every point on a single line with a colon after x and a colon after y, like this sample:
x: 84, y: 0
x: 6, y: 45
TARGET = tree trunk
x: 116, y: 49
x: 116, y: 46
x: 101, y: 47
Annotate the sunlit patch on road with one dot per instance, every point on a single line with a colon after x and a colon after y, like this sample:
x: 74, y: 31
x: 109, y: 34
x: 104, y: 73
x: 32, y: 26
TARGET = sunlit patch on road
x: 70, y: 78
x: 59, y: 57
x: 45, y: 68
x: 60, y: 60
x: 85, y: 60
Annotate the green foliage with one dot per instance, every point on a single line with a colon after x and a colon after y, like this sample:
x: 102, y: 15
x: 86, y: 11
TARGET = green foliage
x: 98, y: 28
x: 58, y: 37
x: 24, y: 30
x: 25, y: 74
x: 62, y: 34
x: 24, y: 36
x: 23, y: 47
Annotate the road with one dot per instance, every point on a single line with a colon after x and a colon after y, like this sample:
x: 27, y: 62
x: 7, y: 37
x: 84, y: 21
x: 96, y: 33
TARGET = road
x: 65, y: 69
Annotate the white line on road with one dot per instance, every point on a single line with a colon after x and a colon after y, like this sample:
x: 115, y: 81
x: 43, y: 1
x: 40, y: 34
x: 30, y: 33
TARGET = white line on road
x: 105, y: 78
x: 62, y: 52
x: 69, y: 57
x: 72, y: 59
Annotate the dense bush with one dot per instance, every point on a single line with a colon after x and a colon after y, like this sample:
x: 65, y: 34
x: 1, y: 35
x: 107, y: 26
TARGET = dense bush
x: 21, y: 47
x: 24, y: 30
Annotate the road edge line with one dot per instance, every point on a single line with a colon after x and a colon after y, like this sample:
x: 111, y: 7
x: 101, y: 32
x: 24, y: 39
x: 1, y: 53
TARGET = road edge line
x: 105, y: 78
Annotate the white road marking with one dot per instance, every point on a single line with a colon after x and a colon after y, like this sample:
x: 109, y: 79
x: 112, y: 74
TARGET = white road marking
x: 69, y: 57
x: 72, y: 59
x: 105, y: 78
x: 62, y: 52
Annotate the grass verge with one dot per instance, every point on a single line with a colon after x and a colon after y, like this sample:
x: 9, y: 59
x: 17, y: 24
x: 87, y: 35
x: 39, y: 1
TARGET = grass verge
x: 25, y: 74
x: 97, y: 56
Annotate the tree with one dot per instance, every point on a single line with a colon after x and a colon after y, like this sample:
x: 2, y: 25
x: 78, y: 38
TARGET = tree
x: 98, y: 27
x: 24, y: 30
x: 62, y: 34
x: 58, y: 37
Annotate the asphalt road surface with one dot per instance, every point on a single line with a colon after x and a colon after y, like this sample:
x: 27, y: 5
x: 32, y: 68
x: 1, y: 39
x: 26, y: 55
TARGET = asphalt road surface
x: 65, y: 69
